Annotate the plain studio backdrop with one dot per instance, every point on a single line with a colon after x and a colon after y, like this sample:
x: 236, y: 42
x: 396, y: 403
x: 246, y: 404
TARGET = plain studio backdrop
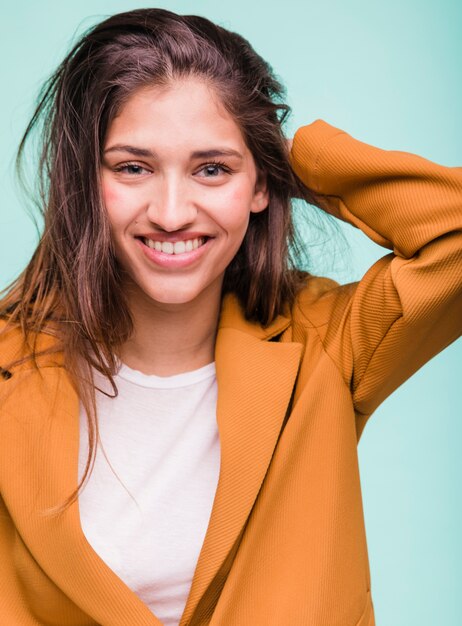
x: 388, y: 74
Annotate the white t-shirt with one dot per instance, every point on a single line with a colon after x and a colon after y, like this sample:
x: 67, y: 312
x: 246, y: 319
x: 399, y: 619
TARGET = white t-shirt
x: 161, y: 437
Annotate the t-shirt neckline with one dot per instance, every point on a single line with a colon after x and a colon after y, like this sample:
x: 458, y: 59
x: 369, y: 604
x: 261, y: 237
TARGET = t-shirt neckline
x: 184, y: 379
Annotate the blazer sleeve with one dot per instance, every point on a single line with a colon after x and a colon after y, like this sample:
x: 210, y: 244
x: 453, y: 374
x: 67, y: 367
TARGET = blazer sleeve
x: 408, y: 305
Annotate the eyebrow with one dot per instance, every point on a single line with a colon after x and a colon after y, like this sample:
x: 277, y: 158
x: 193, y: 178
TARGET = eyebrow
x: 197, y: 154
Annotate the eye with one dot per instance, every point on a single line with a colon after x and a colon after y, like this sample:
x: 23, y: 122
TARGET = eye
x: 213, y: 170
x: 132, y: 169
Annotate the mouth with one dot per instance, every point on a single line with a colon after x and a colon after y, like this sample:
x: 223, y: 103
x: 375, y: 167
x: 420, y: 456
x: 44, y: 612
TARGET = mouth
x: 175, y: 255
x: 174, y: 248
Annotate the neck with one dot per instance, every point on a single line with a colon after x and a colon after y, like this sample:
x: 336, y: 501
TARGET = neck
x: 170, y: 339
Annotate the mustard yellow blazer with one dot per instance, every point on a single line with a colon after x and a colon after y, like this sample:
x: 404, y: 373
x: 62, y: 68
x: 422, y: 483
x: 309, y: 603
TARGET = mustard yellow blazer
x: 286, y: 543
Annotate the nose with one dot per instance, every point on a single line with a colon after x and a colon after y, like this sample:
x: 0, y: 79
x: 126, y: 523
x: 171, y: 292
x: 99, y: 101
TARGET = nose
x: 171, y: 206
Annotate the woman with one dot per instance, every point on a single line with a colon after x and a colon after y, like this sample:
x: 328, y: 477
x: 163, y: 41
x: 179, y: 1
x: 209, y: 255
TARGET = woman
x: 162, y: 325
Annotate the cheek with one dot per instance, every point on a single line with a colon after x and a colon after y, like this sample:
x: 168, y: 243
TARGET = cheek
x: 235, y: 207
x: 241, y: 196
x: 109, y: 192
x: 111, y: 199
x: 116, y: 202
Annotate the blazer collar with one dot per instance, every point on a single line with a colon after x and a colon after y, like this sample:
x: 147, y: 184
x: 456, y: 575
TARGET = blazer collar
x: 232, y: 316
x: 40, y: 442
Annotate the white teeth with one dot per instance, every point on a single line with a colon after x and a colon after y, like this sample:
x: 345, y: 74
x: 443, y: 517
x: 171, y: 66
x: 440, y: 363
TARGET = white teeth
x: 179, y: 247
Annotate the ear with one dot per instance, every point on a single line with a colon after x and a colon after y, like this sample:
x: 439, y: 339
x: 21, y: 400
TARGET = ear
x: 260, y: 198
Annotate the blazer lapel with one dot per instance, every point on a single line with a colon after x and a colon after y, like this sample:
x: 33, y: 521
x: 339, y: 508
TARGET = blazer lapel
x: 40, y: 439
x: 255, y: 382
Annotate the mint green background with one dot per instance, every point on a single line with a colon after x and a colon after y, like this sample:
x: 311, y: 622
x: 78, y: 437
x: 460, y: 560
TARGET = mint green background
x: 389, y: 74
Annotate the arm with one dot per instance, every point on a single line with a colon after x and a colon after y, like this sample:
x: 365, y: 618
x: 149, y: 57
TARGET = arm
x: 408, y: 305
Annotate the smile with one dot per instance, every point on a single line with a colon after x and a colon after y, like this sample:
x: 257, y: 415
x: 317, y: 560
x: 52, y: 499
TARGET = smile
x: 179, y: 247
x: 175, y: 255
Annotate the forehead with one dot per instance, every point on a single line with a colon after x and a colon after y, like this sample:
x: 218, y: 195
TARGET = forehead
x: 184, y: 113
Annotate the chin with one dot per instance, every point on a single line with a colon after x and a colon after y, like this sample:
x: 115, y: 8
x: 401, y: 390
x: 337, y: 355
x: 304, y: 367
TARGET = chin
x: 175, y: 290
x: 170, y: 298
x: 175, y: 295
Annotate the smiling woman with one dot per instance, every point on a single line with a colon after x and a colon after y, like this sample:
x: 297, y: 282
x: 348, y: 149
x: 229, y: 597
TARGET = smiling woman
x: 180, y: 404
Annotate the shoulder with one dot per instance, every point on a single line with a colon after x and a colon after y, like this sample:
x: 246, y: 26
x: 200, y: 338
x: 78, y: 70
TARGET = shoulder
x: 320, y: 299
x: 30, y: 373
x: 19, y: 351
x: 12, y: 347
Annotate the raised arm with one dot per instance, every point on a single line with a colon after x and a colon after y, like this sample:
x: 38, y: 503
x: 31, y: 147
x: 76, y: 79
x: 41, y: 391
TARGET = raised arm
x: 408, y: 305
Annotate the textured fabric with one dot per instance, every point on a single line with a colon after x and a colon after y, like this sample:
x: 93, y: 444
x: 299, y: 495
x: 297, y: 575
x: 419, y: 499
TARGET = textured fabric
x: 286, y: 541
x: 148, y: 500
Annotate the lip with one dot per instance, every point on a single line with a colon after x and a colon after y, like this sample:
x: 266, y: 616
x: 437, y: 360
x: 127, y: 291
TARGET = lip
x: 174, y: 261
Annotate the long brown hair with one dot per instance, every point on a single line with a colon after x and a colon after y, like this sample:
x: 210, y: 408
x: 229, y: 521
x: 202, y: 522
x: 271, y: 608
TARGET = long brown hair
x: 72, y: 285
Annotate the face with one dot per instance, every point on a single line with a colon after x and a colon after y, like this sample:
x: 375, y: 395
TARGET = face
x: 178, y: 184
